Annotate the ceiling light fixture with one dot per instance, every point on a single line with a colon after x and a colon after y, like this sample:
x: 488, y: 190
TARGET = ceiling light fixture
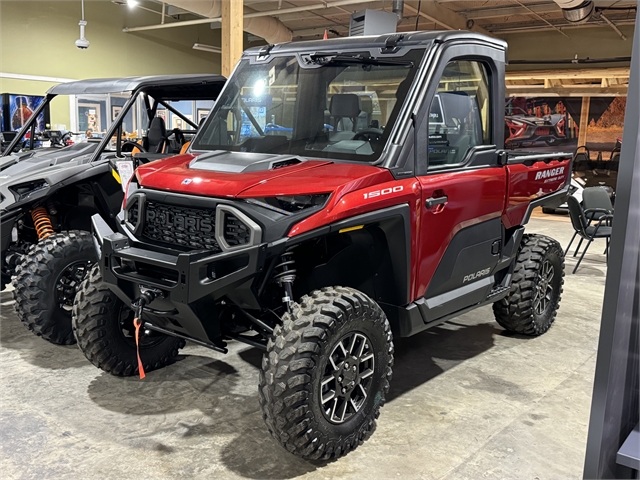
x: 206, y: 48
x: 132, y: 3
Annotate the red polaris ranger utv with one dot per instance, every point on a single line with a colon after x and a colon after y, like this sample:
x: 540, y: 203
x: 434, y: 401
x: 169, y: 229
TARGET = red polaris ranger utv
x: 340, y: 193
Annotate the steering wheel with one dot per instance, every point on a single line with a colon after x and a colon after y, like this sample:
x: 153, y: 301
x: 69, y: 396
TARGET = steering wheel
x: 135, y: 145
x: 369, y: 135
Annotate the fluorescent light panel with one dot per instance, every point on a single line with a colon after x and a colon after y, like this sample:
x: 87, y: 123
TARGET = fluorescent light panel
x: 206, y: 48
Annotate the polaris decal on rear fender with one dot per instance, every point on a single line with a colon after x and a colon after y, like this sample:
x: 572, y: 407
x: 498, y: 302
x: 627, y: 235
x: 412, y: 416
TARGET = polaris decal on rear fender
x: 473, y: 276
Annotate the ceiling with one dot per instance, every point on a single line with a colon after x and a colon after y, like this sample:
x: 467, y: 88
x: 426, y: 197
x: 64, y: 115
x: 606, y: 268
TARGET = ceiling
x: 309, y: 19
x: 497, y: 17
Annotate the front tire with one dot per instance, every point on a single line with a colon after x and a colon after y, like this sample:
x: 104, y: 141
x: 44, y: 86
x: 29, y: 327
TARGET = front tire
x: 103, y: 326
x: 47, y: 280
x: 326, y: 373
x: 536, y: 287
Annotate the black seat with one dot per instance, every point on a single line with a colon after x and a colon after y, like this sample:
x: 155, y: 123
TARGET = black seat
x: 156, y: 136
x: 462, y: 121
x: 366, y: 113
x: 175, y: 140
x: 585, y: 230
x: 596, y: 202
x: 581, y: 159
x: 344, y: 106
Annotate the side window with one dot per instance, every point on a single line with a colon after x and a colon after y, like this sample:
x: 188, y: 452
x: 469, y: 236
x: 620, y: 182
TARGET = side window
x: 459, y: 114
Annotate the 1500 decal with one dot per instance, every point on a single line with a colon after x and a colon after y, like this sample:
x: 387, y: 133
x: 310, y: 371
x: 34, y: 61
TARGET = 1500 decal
x: 384, y: 191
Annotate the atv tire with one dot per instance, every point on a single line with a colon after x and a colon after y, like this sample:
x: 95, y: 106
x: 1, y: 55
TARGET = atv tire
x: 103, y: 326
x: 46, y: 282
x: 307, y: 361
x: 536, y: 287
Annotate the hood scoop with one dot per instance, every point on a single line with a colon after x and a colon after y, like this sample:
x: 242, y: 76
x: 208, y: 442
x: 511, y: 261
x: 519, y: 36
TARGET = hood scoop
x: 241, y: 162
x: 285, y: 163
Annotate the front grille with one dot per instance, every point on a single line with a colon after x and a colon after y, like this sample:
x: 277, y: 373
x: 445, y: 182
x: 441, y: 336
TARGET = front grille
x: 190, y: 228
x: 235, y: 231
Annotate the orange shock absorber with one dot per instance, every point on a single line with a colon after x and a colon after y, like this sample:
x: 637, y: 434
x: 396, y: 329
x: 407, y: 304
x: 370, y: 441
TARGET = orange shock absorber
x: 42, y: 222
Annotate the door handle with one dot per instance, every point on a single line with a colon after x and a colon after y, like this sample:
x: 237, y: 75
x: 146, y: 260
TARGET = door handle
x: 433, y: 201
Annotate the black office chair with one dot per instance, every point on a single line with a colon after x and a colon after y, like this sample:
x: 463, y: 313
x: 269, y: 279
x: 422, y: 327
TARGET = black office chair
x: 585, y: 230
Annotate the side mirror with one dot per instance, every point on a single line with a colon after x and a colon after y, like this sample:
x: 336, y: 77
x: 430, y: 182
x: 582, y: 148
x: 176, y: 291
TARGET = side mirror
x: 503, y: 157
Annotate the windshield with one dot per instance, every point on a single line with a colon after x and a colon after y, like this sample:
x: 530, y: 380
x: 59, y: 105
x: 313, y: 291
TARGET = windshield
x: 342, y: 108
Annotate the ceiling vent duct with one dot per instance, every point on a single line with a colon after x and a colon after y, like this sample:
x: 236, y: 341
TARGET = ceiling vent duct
x: 397, y: 7
x: 576, y: 11
x: 372, y: 22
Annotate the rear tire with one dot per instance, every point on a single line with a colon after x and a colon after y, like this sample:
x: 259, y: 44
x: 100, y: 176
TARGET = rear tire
x: 536, y: 287
x: 47, y: 280
x: 103, y: 326
x: 338, y: 342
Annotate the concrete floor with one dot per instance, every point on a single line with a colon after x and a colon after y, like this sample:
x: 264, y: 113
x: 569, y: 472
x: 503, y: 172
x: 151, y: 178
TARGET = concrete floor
x: 467, y: 400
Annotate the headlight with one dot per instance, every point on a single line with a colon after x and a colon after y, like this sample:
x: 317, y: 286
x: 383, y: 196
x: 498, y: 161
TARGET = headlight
x: 288, y: 205
x: 23, y: 190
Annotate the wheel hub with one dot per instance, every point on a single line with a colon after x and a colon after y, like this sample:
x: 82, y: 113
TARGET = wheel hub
x: 347, y: 377
x: 544, y: 288
x: 68, y: 283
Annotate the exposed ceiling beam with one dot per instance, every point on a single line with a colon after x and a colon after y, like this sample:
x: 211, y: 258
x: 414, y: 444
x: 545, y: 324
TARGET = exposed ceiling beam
x: 500, y: 29
x: 482, y: 13
x: 442, y: 16
x: 583, y: 73
x: 543, y: 7
x: 568, y: 91
x: 269, y: 13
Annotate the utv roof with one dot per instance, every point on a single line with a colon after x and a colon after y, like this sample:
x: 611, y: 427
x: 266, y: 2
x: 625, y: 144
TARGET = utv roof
x: 404, y: 39
x: 184, y: 86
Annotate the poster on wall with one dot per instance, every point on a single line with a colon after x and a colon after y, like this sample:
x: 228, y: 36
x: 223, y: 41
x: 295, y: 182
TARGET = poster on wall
x: 553, y: 124
x: 179, y: 123
x: 115, y: 111
x: 17, y: 110
x: 202, y: 114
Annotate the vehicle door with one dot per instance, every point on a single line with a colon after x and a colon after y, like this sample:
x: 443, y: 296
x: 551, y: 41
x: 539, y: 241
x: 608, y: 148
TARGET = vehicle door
x: 463, y: 186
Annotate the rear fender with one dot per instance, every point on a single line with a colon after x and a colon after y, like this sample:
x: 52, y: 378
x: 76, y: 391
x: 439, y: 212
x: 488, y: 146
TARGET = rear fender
x: 534, y: 181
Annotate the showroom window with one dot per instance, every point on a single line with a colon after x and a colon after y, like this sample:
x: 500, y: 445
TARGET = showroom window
x: 459, y: 113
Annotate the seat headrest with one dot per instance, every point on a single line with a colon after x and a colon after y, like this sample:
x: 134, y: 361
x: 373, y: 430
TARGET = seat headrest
x: 344, y: 105
x: 366, y: 104
x: 157, y: 131
x: 456, y: 105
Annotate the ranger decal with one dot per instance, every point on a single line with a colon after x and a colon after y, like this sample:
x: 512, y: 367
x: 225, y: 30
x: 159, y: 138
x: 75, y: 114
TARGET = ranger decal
x: 542, y: 174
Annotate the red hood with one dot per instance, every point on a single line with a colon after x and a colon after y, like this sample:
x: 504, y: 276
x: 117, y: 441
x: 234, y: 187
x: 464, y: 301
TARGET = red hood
x: 306, y: 177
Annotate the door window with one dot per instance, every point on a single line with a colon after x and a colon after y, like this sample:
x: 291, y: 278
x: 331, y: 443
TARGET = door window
x: 459, y: 113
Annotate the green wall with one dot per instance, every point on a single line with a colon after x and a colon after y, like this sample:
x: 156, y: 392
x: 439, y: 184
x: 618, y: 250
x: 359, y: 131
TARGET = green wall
x: 37, y: 38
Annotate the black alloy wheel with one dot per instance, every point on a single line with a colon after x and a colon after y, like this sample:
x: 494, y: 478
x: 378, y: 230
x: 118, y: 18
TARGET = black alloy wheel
x: 347, y: 377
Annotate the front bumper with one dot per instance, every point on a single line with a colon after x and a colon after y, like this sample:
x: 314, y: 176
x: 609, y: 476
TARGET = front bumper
x: 188, y: 284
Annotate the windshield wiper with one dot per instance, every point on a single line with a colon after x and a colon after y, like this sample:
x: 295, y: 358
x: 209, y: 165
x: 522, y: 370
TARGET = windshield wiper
x: 333, y: 58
